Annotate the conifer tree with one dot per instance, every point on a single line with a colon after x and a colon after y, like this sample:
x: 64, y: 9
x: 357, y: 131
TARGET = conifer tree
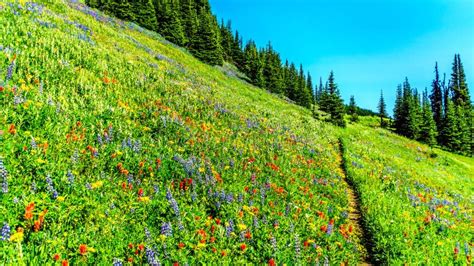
x: 237, y: 50
x: 382, y: 107
x: 145, y: 15
x: 169, y: 23
x: 227, y: 40
x: 310, y: 87
x: 428, y: 126
x: 437, y: 99
x: 332, y: 102
x: 398, y: 119
x: 206, y: 44
x: 352, y: 110
x: 450, y: 132
x: 253, y: 66
x: 189, y: 19
x: 272, y: 70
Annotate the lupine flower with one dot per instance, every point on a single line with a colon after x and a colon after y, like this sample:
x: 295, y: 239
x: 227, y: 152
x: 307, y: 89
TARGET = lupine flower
x: 10, y: 70
x: 75, y: 157
x: 5, y: 233
x: 70, y: 177
x: 297, y: 246
x: 166, y: 229
x: 33, y: 187
x: 147, y: 234
x: 33, y: 143
x: 117, y: 262
x: 274, y: 243
x: 3, y: 176
x: 150, y: 257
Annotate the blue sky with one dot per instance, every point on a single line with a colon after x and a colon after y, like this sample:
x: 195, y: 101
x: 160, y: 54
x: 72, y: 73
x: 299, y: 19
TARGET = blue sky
x: 370, y: 44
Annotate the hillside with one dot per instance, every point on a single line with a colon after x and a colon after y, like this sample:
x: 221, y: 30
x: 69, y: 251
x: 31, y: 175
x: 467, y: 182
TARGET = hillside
x: 118, y: 146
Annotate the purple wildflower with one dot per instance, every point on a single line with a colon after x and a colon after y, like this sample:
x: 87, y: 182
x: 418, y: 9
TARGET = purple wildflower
x: 5, y: 233
x: 166, y: 229
x: 3, y: 176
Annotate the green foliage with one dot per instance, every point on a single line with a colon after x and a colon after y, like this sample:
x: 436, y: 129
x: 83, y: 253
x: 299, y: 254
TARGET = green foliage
x: 352, y: 110
x: 382, y: 108
x: 332, y: 103
x: 169, y: 22
x: 206, y: 44
x: 145, y: 15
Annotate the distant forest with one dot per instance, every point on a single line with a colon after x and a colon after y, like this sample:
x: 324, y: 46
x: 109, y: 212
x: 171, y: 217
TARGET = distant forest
x: 442, y: 117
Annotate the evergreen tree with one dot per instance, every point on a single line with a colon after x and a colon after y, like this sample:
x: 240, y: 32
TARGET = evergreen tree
x: 450, y: 132
x: 398, y: 113
x: 145, y: 15
x: 206, y: 44
x: 189, y: 20
x: 237, y: 50
x: 253, y: 66
x: 310, y: 87
x: 291, y: 82
x: 382, y: 107
x: 428, y: 126
x: 227, y: 40
x: 352, y: 110
x: 437, y: 99
x: 332, y: 102
x: 272, y: 70
x: 169, y: 23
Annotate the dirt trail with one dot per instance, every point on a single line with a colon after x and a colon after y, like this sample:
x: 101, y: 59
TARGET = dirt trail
x: 365, y: 243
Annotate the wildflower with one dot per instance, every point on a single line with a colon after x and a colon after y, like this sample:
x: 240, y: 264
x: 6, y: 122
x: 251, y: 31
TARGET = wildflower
x: 82, y: 249
x: 29, y: 211
x: 297, y: 246
x: 3, y: 175
x: 274, y: 243
x: 117, y: 262
x: 181, y: 245
x: 166, y: 229
x: 271, y: 262
x: 140, y: 192
x: 70, y: 177
x: 56, y: 257
x: 18, y: 236
x: 5, y: 233
x: 243, y: 247
x: 65, y: 263
x: 150, y: 256
x: 10, y: 70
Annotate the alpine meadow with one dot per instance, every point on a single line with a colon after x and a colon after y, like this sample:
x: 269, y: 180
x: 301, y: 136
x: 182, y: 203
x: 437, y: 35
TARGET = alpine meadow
x: 146, y: 132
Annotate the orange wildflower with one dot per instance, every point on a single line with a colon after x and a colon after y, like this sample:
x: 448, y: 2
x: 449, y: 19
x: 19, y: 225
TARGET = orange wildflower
x: 82, y: 249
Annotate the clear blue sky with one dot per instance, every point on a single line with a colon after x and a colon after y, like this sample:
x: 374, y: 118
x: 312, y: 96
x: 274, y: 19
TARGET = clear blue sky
x: 370, y: 44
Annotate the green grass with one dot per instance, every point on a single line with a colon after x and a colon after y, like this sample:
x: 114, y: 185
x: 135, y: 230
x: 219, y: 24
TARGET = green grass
x: 226, y: 152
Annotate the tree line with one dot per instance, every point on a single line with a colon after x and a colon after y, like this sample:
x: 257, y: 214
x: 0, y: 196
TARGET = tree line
x: 442, y: 117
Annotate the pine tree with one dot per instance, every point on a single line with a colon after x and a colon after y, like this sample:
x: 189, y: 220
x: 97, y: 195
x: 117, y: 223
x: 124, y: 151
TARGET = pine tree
x: 398, y: 111
x: 332, y: 102
x: 253, y: 66
x: 428, y: 126
x: 291, y: 82
x: 237, y: 50
x: 310, y: 87
x: 450, y: 132
x: 382, y: 107
x: 206, y: 44
x: 272, y: 70
x: 437, y: 99
x: 145, y: 15
x: 189, y: 19
x: 227, y: 40
x: 352, y: 110
x: 169, y: 23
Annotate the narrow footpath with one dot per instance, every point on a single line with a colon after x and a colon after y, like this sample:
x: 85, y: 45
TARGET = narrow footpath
x: 363, y: 237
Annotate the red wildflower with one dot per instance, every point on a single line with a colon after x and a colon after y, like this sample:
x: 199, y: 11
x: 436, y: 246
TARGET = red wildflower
x: 176, y: 264
x: 306, y: 244
x: 243, y: 247
x: 181, y: 245
x: 212, y: 239
x: 140, y: 192
x: 130, y: 259
x: 56, y: 257
x: 323, y: 228
x: 130, y: 245
x: 65, y: 263
x: 11, y: 129
x: 141, y: 247
x: 223, y: 253
x: 271, y: 262
x: 82, y: 249
x: 248, y: 235
x: 1, y: 89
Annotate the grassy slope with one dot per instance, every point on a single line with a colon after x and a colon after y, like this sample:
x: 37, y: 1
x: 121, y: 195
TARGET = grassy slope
x: 418, y: 201
x: 155, y: 93
x: 162, y: 106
